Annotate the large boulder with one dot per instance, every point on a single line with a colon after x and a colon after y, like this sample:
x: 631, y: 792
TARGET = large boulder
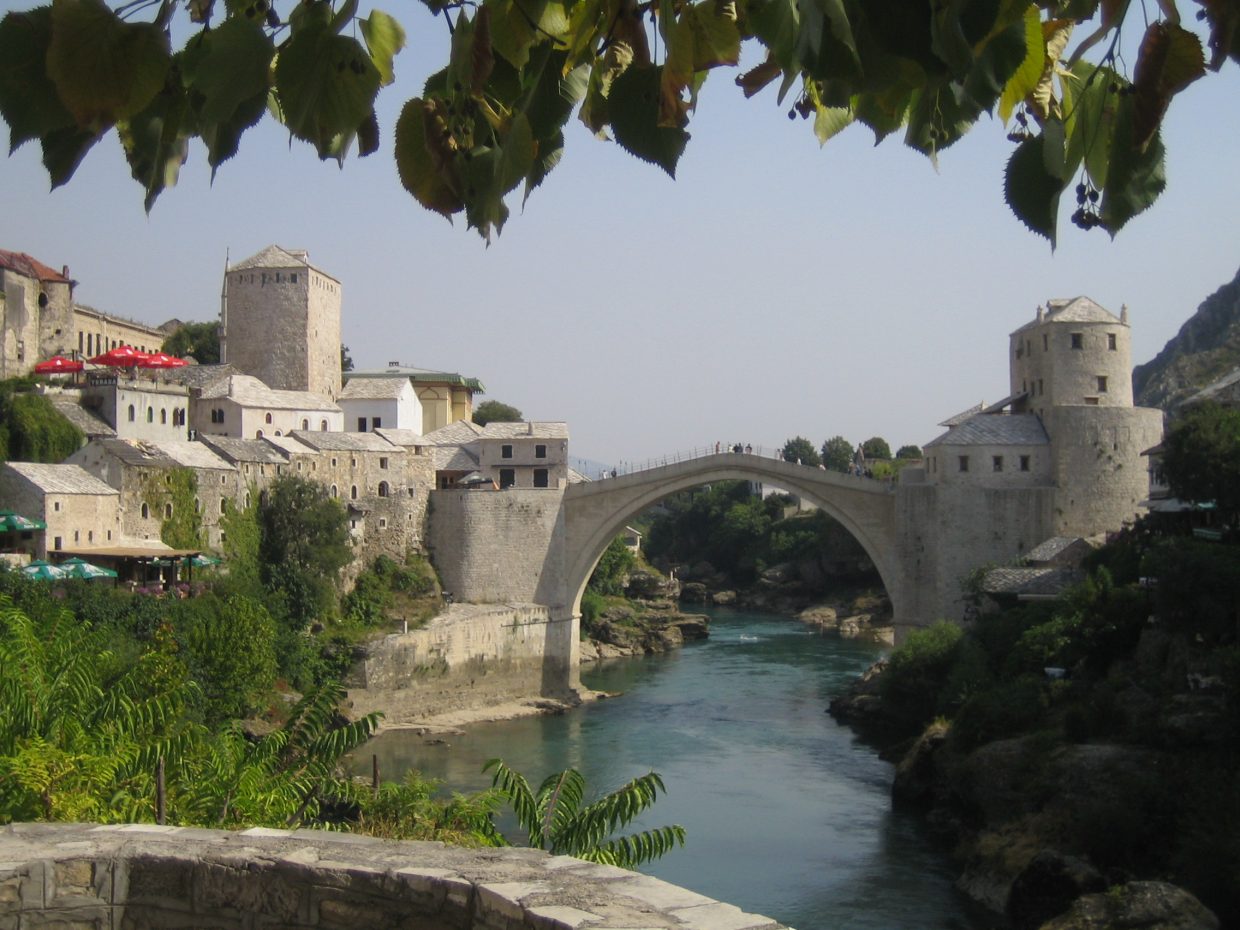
x: 915, y: 777
x: 1048, y: 886
x: 694, y: 592
x: 1137, y: 906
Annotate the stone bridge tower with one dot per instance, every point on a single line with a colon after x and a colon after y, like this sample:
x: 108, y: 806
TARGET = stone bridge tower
x: 280, y: 322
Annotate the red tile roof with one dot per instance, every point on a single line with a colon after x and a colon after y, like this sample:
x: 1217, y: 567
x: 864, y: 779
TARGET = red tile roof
x: 31, y: 267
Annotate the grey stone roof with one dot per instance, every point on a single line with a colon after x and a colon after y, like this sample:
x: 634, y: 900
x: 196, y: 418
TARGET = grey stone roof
x: 1022, y: 429
x: 1030, y: 582
x: 344, y: 442
x: 964, y: 415
x: 248, y: 391
x: 61, y: 479
x: 1053, y: 548
x: 1074, y: 310
x: 454, y: 434
x: 422, y: 376
x: 89, y: 423
x: 406, y: 438
x: 235, y: 449
x: 453, y: 458
x: 275, y: 257
x: 137, y: 454
x: 196, y: 376
x: 289, y: 444
x: 525, y: 430
x: 190, y: 454
x: 363, y: 388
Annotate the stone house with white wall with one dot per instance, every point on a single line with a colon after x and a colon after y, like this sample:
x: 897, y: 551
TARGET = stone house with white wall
x: 259, y: 462
x: 525, y: 455
x: 446, y: 397
x: 141, y: 473
x: 370, y: 404
x: 138, y: 406
x: 80, y: 510
x: 244, y: 407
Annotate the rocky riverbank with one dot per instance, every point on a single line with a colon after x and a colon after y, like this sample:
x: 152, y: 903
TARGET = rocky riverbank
x: 641, y: 628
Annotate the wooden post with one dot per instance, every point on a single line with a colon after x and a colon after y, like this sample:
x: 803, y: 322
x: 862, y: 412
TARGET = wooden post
x: 374, y: 773
x: 160, y: 797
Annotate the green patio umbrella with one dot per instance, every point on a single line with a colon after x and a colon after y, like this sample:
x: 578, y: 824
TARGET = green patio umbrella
x: 203, y: 561
x: 43, y: 571
x: 80, y: 568
x: 11, y: 522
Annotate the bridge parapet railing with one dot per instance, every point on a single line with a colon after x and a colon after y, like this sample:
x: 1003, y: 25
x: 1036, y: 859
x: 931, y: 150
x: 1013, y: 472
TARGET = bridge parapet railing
x: 632, y: 467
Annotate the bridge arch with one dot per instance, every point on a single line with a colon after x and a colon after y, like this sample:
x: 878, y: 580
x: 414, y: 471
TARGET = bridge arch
x: 596, y: 511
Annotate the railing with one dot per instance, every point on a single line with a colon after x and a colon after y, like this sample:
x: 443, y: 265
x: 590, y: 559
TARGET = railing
x: 633, y: 468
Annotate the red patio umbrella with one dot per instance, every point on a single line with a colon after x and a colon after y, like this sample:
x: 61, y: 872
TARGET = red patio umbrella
x: 120, y: 357
x: 162, y: 360
x: 56, y: 365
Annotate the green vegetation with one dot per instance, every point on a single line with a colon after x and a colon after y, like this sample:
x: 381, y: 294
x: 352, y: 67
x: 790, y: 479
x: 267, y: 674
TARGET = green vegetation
x: 557, y: 819
x: 1201, y: 458
x: 199, y: 340
x: 876, y: 448
x: 801, y: 450
x: 493, y: 411
x: 908, y: 452
x: 613, y: 568
x: 493, y: 118
x: 837, y: 454
x: 31, y: 428
x: 174, y: 493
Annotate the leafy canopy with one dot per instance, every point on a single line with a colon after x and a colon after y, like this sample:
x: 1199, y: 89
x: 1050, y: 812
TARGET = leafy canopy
x: 492, y: 120
x: 800, y: 450
x: 200, y: 340
x: 494, y: 411
x: 837, y: 453
x: 1201, y: 457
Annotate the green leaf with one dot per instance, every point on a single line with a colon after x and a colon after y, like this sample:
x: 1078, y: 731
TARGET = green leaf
x: 327, y: 86
x: 634, y: 109
x: 431, y: 179
x: 104, y: 68
x: 224, y: 138
x: 550, y: 100
x: 716, y: 38
x: 156, y: 141
x: 550, y: 151
x: 1089, y: 105
x: 228, y: 67
x: 776, y: 24
x: 28, y: 99
x: 384, y: 38
x: 1031, y: 190
x: 1137, y: 174
x: 63, y: 151
x: 1029, y: 74
x: 830, y: 121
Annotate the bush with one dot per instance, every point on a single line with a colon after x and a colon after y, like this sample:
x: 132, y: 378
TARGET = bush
x: 917, y: 670
x: 592, y: 605
x: 1198, y: 587
x: 1002, y: 710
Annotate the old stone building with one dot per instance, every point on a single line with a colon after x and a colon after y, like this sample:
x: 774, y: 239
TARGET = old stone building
x: 245, y: 407
x: 80, y: 510
x: 280, y: 322
x: 369, y: 404
x: 445, y: 397
x: 525, y: 455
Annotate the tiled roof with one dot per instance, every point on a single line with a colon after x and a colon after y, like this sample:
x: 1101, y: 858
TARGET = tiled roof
x: 1052, y: 548
x: 61, y: 479
x: 89, y: 423
x: 275, y: 257
x: 454, y: 434
x: 31, y: 267
x: 245, y: 450
x: 401, y: 437
x: 525, y: 431
x: 1074, y: 310
x: 191, y: 454
x: 248, y: 391
x: 1022, y: 429
x: 136, y: 453
x: 344, y: 442
x: 363, y: 388
x: 422, y: 376
x: 289, y: 444
x: 1030, y: 582
x: 196, y: 376
x: 964, y: 415
x: 453, y: 458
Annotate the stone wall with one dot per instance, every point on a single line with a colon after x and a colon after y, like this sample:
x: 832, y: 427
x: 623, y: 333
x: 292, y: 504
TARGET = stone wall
x: 140, y: 876
x: 496, y: 547
x: 469, y: 656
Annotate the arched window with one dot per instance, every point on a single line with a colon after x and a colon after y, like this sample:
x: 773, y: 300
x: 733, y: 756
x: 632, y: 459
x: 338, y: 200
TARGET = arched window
x: 163, y: 415
x: 247, y: 500
x: 305, y: 424
x: 132, y: 413
x: 277, y: 433
x: 267, y: 419
x: 150, y: 414
x: 353, y: 493
x: 335, y: 491
x: 383, y: 489
x: 223, y: 505
x: 258, y: 434
x: 323, y: 426
x: 167, y: 511
x: 197, y: 505
x: 146, y: 512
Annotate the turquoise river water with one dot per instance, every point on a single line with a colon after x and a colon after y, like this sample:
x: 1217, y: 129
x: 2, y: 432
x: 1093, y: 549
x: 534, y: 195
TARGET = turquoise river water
x: 788, y: 814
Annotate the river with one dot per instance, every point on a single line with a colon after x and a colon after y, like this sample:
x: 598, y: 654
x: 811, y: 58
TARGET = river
x: 788, y: 814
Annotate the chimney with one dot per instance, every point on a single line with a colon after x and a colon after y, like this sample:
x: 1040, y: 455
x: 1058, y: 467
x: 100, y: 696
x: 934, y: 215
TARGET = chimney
x: 1123, y: 314
x: 1041, y: 313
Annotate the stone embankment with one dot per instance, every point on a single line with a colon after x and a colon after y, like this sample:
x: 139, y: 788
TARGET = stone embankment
x: 142, y: 876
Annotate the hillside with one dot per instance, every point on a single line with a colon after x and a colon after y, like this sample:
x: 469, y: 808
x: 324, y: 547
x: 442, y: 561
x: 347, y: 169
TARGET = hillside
x: 1206, y: 348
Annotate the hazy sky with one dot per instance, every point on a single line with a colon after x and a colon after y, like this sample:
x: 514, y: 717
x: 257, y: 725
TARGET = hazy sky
x: 773, y: 289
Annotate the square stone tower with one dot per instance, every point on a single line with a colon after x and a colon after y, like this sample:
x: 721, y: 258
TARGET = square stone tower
x: 280, y: 322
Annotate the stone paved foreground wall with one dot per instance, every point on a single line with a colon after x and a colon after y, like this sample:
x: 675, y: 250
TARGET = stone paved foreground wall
x: 139, y: 876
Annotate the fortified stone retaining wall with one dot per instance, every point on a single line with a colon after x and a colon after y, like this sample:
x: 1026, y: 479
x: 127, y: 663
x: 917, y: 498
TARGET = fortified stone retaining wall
x: 469, y: 656
x: 139, y: 876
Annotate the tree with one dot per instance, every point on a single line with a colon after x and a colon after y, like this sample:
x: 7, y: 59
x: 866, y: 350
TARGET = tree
x: 1201, y: 457
x: 199, y: 340
x: 876, y: 448
x: 346, y: 360
x: 837, y: 453
x: 612, y: 571
x: 493, y: 411
x: 800, y: 449
x: 304, y: 543
x: 555, y: 817
x: 908, y: 452
x: 493, y: 119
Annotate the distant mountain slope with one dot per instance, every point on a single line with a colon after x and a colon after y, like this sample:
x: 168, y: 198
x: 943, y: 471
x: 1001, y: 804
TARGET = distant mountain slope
x: 1206, y: 348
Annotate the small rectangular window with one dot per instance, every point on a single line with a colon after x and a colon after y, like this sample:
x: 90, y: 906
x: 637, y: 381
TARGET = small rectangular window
x: 964, y: 463
x: 1102, y: 384
x: 1024, y: 463
x: 1078, y: 340
x: 505, y: 452
x: 361, y: 424
x: 540, y: 452
x: 293, y: 277
x: 56, y: 543
x: 507, y: 478
x: 375, y: 423
x: 1091, y: 402
x: 1045, y: 344
x: 540, y: 478
x: 997, y: 462
x: 383, y: 462
x: 1041, y: 390
x: 1111, y: 341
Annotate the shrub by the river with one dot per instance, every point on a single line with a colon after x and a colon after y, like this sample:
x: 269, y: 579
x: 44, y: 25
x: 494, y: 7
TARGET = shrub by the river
x: 917, y: 671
